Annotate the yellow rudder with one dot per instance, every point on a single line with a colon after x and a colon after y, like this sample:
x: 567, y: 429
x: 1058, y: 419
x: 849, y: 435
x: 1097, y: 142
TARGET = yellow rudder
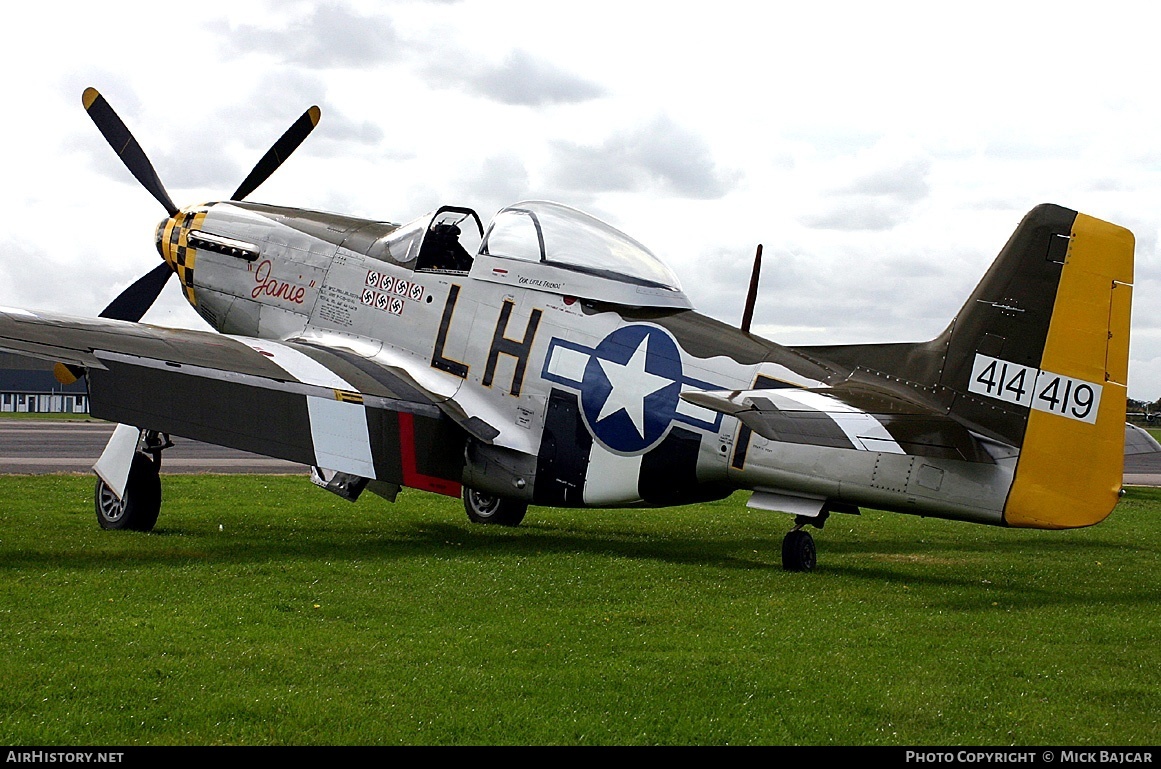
x: 1071, y: 463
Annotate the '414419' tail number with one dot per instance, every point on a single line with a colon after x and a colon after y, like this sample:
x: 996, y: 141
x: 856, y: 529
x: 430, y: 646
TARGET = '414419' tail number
x: 1034, y: 388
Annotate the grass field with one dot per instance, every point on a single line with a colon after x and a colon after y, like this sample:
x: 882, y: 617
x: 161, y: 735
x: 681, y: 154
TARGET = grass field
x: 263, y: 611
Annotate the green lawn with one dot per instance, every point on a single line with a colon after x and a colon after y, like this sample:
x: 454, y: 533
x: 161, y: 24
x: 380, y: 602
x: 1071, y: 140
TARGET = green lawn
x: 263, y: 611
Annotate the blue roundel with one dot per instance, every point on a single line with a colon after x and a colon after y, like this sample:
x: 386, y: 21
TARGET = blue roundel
x: 630, y: 390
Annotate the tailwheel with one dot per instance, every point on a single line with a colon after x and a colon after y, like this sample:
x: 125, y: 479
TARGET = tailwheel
x: 798, y: 553
x: 138, y: 509
x: 488, y: 508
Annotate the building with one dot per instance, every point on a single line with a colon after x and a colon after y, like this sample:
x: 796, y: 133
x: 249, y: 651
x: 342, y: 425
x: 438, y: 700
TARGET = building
x: 27, y: 385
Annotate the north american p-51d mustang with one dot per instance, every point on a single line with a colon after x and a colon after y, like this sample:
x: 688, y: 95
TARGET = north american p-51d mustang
x: 549, y: 359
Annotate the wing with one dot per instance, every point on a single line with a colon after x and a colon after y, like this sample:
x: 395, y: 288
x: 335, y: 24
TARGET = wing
x: 328, y: 408
x: 851, y: 416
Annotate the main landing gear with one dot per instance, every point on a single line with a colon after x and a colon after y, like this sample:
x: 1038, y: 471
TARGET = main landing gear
x: 139, y: 506
x: 487, y: 508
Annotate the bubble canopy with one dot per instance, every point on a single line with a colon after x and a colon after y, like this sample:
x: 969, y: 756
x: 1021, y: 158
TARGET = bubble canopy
x: 539, y: 237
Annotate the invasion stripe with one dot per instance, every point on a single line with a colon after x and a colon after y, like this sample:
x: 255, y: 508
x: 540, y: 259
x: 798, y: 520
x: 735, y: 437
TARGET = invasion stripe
x: 338, y: 428
x: 298, y: 364
x: 863, y: 430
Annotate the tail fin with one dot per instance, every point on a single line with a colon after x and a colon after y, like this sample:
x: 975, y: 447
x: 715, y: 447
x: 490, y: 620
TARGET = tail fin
x: 1038, y: 359
x: 1072, y: 456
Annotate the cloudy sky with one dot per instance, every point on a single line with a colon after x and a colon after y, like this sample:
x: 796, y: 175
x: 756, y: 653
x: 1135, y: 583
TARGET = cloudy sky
x: 881, y: 152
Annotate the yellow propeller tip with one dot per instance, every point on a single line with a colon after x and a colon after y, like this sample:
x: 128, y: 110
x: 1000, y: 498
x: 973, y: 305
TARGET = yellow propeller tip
x: 63, y: 374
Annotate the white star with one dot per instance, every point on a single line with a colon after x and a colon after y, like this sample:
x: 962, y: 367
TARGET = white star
x: 631, y: 384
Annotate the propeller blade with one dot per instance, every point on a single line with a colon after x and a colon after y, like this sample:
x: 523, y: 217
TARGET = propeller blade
x: 132, y: 304
x: 126, y: 147
x: 66, y: 374
x: 278, y: 154
x: 134, y: 301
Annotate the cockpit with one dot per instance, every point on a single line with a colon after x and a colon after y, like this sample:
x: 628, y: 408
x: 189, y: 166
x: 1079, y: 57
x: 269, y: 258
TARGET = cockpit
x: 537, y: 245
x: 441, y: 242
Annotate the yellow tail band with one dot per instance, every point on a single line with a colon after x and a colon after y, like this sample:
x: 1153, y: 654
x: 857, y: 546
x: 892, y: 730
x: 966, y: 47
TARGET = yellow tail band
x: 1071, y: 464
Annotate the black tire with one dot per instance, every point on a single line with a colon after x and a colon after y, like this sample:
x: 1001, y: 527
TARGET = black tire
x: 139, y: 509
x: 798, y: 553
x: 487, y: 508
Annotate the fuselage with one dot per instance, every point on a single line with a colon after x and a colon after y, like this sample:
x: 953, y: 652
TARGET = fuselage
x: 578, y: 370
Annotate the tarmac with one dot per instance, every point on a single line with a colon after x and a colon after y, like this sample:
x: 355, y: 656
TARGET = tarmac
x: 43, y: 446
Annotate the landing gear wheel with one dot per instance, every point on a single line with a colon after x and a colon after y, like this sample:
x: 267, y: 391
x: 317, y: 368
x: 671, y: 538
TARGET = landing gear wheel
x: 798, y: 552
x: 486, y: 508
x: 139, y: 508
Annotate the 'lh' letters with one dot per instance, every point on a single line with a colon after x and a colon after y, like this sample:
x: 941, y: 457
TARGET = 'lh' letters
x: 519, y: 349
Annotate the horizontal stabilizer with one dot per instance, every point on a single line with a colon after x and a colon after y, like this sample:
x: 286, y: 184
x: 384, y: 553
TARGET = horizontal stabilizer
x: 847, y: 418
x: 1138, y: 441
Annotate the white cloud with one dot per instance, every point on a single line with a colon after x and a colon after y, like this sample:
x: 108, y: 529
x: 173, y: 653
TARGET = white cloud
x: 521, y: 79
x: 881, y: 152
x: 332, y: 35
x: 660, y: 156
